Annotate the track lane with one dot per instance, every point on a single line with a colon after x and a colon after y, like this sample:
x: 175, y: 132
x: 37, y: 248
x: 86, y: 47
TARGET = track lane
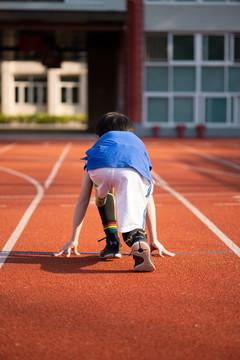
x: 26, y: 216
x: 212, y: 182
x: 34, y: 203
x: 58, y: 308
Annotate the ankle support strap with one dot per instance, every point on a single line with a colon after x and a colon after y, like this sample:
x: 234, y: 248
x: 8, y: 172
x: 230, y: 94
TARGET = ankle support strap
x: 133, y: 236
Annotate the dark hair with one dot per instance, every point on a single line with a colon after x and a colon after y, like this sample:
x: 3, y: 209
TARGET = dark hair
x: 113, y: 121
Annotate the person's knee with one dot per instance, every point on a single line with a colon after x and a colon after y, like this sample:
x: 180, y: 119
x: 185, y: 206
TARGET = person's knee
x: 100, y: 201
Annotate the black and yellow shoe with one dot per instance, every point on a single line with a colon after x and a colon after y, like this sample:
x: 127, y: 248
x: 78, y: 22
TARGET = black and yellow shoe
x: 141, y: 251
x: 112, y: 248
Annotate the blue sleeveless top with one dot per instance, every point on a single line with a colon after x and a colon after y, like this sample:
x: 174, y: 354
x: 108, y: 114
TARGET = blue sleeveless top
x: 119, y: 149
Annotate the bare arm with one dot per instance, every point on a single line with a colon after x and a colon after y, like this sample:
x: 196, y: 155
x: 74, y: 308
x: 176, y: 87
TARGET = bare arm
x: 78, y: 216
x: 152, y: 229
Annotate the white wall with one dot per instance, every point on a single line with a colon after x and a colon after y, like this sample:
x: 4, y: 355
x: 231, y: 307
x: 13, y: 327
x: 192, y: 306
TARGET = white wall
x: 194, y: 17
x: 9, y: 69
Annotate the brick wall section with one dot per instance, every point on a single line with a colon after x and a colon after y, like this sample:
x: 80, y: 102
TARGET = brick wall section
x: 135, y: 60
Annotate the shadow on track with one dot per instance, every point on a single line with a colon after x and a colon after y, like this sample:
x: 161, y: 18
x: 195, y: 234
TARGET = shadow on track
x: 87, y: 264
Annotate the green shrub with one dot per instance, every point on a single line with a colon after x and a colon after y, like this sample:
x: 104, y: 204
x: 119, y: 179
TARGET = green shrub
x: 43, y: 118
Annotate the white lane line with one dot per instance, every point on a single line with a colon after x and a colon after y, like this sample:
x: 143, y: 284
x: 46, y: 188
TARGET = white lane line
x: 210, y: 157
x: 199, y: 169
x: 24, y: 220
x: 7, y: 147
x: 28, y: 213
x: 160, y: 182
x: 57, y: 166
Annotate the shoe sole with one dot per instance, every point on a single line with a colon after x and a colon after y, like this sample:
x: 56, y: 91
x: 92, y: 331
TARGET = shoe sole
x: 142, y: 249
x: 111, y: 256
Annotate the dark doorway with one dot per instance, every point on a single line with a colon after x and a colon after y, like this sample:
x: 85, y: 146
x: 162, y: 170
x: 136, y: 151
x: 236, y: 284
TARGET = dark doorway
x: 104, y: 74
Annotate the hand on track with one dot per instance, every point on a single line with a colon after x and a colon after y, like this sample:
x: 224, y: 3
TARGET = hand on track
x: 71, y: 244
x: 160, y: 249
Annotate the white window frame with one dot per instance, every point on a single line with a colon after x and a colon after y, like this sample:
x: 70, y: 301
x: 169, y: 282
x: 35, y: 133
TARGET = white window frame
x: 198, y: 95
x: 69, y: 85
x: 30, y: 84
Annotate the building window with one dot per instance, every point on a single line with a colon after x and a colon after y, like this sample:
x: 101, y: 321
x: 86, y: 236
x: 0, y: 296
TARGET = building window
x: 213, y: 79
x: 194, y: 87
x: 69, y: 78
x: 63, y: 95
x: 237, y: 48
x: 35, y: 95
x: 16, y: 94
x: 156, y: 78
x: 184, y: 79
x: 156, y: 47
x: 183, y: 110
x: 234, y: 79
x: 44, y: 95
x: 183, y: 47
x: 213, y: 48
x: 158, y: 110
x: 30, y: 89
x: 215, y: 110
x: 26, y: 94
x: 69, y: 85
x: 75, y: 95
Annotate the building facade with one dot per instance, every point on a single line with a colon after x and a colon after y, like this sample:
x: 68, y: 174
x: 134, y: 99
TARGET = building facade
x: 28, y: 87
x: 192, y: 65
x: 166, y: 63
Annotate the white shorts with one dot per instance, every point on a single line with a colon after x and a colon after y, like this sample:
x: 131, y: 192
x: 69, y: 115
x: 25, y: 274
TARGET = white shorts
x: 132, y: 191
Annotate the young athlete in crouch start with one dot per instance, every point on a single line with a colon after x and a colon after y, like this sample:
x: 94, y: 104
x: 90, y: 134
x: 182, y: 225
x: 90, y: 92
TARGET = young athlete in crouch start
x: 119, y: 160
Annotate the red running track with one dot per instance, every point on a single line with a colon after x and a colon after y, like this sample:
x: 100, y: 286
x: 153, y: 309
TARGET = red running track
x: 87, y: 309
